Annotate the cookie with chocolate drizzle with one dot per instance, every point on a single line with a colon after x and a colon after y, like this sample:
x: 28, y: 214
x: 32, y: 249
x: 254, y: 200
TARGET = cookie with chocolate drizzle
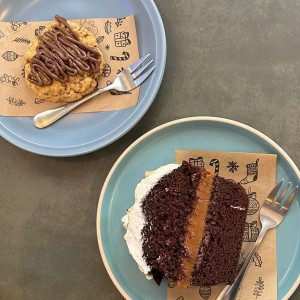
x: 64, y: 63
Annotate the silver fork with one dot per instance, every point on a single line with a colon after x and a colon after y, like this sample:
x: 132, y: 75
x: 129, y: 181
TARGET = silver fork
x: 125, y: 81
x: 272, y: 212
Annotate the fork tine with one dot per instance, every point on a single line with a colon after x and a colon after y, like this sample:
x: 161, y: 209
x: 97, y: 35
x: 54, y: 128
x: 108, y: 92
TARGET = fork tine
x: 273, y: 193
x: 134, y: 66
x: 141, y: 70
x: 290, y: 199
x: 281, y: 196
x: 143, y: 77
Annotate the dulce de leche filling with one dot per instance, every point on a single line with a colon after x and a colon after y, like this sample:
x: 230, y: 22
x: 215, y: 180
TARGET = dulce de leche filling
x: 196, y: 227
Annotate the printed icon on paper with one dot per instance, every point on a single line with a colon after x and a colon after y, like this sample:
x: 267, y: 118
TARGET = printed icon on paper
x: 252, y: 173
x: 16, y: 101
x: 205, y: 292
x: 171, y: 284
x: 100, y: 39
x: 232, y: 166
x: 9, y: 79
x: 107, y: 27
x: 259, y: 287
x: 257, y: 260
x: 106, y: 71
x: 10, y: 55
x: 22, y: 40
x: 89, y: 25
x: 119, y: 21
x: 39, y: 30
x: 16, y: 25
x: 197, y: 162
x: 125, y: 56
x: 217, y: 165
x: 39, y: 101
x: 251, y: 232
x: 122, y: 39
x: 253, y: 203
x: 120, y: 70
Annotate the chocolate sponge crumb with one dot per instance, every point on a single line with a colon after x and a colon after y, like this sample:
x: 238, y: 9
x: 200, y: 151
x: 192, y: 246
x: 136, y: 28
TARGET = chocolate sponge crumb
x: 166, y: 209
x: 218, y: 255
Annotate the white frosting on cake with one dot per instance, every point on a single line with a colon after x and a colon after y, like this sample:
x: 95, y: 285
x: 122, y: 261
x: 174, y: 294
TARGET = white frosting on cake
x: 134, y: 221
x: 237, y: 207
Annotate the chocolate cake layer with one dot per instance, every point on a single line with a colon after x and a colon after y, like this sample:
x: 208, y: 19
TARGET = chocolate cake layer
x: 221, y: 244
x: 166, y: 209
x: 187, y: 224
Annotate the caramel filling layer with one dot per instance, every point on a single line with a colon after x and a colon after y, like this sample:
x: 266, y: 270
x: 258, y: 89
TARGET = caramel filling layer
x: 196, y: 227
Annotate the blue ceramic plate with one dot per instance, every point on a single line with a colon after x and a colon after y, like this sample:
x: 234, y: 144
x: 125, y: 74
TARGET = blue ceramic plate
x: 157, y: 148
x: 83, y: 133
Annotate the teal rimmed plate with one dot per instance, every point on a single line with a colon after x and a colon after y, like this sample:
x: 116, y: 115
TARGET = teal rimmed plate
x: 156, y: 148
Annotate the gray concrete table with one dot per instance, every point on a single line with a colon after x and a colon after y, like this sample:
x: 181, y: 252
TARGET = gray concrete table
x: 233, y: 59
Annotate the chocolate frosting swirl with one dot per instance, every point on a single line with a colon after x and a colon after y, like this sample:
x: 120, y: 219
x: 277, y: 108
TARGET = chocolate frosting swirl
x: 61, y: 54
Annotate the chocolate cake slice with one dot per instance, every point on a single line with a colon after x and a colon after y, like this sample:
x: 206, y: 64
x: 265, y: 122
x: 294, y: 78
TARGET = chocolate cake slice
x: 187, y: 224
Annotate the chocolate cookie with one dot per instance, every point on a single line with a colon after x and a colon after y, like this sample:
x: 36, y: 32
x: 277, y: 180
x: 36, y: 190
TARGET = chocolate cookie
x: 64, y: 63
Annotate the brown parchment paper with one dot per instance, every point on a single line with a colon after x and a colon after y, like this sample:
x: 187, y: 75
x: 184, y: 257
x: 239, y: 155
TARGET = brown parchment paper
x: 117, y: 41
x: 257, y: 173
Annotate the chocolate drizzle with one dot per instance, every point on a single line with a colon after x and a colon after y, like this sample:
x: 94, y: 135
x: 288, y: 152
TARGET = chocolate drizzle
x: 61, y: 54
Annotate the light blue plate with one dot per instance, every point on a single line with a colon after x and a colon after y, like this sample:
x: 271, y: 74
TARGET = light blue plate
x: 83, y: 133
x: 157, y: 148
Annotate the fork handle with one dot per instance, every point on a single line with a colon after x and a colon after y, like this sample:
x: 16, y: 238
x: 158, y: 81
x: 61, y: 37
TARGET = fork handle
x: 50, y: 116
x: 230, y: 291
